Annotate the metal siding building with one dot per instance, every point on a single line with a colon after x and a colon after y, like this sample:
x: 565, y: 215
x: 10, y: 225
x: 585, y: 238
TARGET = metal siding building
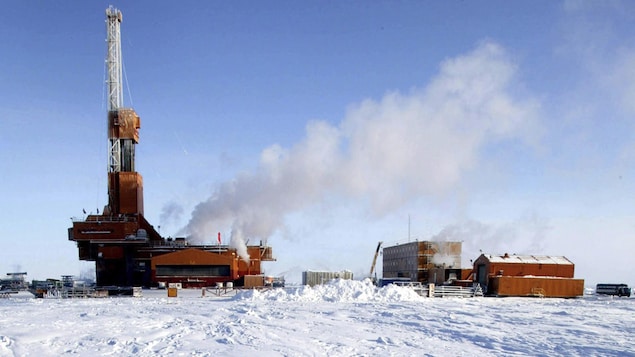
x: 425, y: 261
x: 527, y: 275
x: 194, y: 267
x: 312, y: 278
x: 538, y: 286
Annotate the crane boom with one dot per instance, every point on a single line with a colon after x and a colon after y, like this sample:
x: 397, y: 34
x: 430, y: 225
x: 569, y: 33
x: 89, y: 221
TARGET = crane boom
x: 372, y: 267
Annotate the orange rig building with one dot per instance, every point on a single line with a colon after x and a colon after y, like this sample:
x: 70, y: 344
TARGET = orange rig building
x: 527, y: 275
x: 125, y: 247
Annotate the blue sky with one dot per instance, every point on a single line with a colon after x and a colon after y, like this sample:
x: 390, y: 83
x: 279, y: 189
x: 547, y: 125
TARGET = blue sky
x: 324, y: 127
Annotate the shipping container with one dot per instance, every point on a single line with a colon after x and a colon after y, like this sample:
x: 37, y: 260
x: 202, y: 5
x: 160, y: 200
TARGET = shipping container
x: 535, y: 286
x: 254, y: 281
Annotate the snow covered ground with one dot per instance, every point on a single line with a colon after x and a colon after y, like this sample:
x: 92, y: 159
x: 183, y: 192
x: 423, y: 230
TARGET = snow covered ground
x: 343, y: 318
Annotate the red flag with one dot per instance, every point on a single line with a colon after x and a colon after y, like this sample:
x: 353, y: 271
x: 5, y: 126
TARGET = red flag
x: 218, y: 238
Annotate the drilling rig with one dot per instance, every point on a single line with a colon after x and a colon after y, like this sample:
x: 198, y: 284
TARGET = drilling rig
x: 126, y: 249
x: 114, y: 238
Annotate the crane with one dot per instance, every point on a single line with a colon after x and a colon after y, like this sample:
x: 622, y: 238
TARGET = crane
x: 372, y: 267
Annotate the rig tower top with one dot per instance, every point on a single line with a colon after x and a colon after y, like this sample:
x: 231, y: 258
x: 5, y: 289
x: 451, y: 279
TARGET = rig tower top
x: 113, y: 61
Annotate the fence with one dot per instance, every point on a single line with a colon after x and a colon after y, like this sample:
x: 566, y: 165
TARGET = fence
x: 431, y: 290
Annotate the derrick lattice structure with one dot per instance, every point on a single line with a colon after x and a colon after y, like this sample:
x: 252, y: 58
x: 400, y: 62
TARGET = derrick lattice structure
x: 113, y: 60
x: 123, y: 130
x: 114, y: 80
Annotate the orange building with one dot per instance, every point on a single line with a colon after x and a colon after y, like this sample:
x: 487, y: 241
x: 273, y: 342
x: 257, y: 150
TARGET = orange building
x: 527, y: 275
x: 196, y: 267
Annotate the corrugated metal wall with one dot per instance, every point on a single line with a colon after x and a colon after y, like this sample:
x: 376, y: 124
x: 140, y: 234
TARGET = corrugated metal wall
x: 536, y: 286
x: 173, y: 263
x: 483, y: 265
x: 521, y: 269
x: 313, y: 278
x: 128, y: 187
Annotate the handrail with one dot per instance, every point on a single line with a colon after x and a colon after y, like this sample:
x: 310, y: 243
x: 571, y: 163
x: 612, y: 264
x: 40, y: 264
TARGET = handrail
x: 96, y: 218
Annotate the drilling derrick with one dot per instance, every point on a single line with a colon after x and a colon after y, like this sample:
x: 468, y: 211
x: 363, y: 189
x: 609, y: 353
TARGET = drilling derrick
x: 126, y: 249
x: 113, y: 238
x: 125, y: 186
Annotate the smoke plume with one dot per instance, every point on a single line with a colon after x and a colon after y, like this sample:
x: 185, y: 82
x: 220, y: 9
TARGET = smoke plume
x: 384, y: 152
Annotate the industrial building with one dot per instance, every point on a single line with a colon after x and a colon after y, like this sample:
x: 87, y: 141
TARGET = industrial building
x: 126, y: 248
x: 423, y: 261
x: 527, y: 275
x: 312, y: 278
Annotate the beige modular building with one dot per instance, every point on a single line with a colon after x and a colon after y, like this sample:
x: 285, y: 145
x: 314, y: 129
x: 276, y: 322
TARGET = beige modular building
x: 423, y: 261
x: 312, y: 278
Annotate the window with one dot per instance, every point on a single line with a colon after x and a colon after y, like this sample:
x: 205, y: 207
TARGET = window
x: 193, y: 270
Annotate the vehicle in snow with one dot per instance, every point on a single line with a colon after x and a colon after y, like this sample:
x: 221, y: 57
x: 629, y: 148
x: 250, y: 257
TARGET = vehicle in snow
x: 613, y: 289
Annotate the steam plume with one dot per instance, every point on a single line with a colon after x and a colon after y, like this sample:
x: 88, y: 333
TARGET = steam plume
x: 385, y: 152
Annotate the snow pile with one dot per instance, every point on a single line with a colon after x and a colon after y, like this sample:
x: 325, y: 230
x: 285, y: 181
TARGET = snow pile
x: 338, y: 290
